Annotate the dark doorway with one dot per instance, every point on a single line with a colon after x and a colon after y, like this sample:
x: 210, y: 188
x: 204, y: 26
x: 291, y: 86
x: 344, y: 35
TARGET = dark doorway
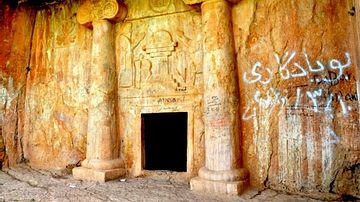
x: 164, y: 140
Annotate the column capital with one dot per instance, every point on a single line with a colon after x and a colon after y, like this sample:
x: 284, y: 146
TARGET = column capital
x: 113, y: 10
x: 190, y: 2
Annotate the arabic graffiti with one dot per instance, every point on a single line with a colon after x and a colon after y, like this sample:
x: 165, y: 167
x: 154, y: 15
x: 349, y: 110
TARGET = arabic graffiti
x: 314, y: 95
x: 257, y: 73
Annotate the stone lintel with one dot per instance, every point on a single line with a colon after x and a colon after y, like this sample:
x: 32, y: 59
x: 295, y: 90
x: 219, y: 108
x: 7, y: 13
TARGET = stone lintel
x: 98, y: 175
x: 191, y: 2
x: 221, y: 187
x: 113, y: 10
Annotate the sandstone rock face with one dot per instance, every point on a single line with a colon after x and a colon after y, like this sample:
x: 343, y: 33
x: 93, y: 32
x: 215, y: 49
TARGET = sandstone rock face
x: 299, y: 102
x: 58, y: 88
x: 14, y: 60
x: 296, y: 65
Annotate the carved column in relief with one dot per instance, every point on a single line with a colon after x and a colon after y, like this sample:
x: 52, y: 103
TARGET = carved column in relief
x: 103, y: 160
x: 222, y: 172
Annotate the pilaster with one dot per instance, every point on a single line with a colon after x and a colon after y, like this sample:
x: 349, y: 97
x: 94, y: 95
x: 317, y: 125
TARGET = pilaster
x: 222, y: 172
x: 103, y: 160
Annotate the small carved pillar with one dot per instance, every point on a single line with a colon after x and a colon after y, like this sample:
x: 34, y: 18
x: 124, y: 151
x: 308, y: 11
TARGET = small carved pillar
x: 103, y: 160
x: 222, y: 172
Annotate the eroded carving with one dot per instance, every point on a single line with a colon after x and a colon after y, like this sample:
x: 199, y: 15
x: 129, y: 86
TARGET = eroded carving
x: 125, y: 61
x: 101, y: 10
x: 188, y: 70
x: 144, y: 67
x: 160, y: 5
x: 130, y: 67
x: 166, y: 58
x: 160, y: 48
x: 67, y: 33
x: 160, y: 44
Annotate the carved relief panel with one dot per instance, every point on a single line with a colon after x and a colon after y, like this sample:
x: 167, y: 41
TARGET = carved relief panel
x: 160, y: 55
x: 154, y: 7
x: 159, y: 70
x: 66, y: 31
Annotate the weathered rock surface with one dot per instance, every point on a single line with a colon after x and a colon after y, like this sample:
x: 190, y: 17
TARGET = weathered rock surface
x: 299, y: 102
x: 58, y: 83
x: 14, y: 60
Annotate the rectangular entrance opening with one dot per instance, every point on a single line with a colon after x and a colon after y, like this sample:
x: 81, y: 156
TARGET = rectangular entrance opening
x: 164, y: 141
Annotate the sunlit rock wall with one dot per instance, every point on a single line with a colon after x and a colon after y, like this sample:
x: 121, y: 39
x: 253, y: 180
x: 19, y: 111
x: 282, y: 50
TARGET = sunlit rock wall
x: 58, y: 88
x: 15, y: 43
x: 298, y: 77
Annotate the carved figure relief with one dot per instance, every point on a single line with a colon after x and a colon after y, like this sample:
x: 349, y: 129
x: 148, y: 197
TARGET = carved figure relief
x: 144, y: 67
x: 129, y: 66
x: 197, y: 52
x: 188, y: 69
x: 67, y: 34
x: 125, y: 61
x: 181, y: 71
x: 66, y: 31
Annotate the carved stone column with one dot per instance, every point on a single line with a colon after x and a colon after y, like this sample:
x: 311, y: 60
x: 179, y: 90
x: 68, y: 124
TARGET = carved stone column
x: 103, y: 160
x: 222, y: 172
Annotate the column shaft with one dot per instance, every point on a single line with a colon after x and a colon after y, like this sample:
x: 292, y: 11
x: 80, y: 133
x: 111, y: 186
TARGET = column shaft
x: 102, y: 161
x: 222, y: 172
x: 101, y: 125
x: 220, y: 88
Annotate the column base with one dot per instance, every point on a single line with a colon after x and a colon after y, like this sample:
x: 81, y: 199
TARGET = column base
x: 222, y: 187
x: 98, y: 175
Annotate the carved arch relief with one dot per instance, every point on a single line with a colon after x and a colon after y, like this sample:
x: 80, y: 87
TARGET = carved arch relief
x: 160, y: 5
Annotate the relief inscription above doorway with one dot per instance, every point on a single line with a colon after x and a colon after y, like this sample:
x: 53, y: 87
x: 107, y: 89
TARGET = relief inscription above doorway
x: 159, y: 70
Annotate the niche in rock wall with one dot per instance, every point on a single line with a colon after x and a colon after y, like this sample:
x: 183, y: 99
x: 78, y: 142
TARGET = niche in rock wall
x: 164, y: 141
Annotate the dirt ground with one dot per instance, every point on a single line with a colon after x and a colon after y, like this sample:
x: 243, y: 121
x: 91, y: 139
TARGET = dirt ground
x: 24, y: 183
